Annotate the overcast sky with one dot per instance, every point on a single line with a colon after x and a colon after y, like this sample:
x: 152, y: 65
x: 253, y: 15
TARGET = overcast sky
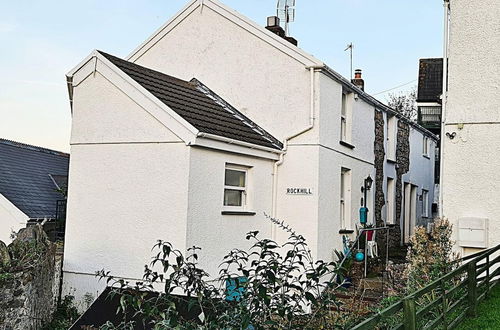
x: 42, y: 40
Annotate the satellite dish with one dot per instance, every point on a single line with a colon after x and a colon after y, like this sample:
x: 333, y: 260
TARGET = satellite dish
x: 286, y: 12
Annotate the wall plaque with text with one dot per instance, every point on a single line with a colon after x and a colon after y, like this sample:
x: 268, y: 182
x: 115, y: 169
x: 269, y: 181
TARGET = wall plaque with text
x: 298, y: 191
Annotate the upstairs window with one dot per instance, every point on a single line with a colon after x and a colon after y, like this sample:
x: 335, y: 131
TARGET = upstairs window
x: 235, y: 187
x: 343, y: 118
x: 425, y: 146
x: 391, y: 137
x: 346, y: 117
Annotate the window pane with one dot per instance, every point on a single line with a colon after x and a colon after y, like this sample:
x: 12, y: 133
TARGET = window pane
x: 344, y: 105
x: 343, y: 129
x: 233, y: 197
x: 235, y: 178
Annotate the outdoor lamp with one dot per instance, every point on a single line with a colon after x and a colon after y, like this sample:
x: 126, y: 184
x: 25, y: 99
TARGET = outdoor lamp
x: 368, y: 183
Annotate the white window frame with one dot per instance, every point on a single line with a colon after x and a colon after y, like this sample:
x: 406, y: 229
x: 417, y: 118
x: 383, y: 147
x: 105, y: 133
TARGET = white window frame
x: 244, y: 190
x: 392, y: 122
x: 343, y: 119
x: 425, y: 147
x: 345, y: 198
x: 346, y: 116
x: 391, y: 202
x: 425, y: 203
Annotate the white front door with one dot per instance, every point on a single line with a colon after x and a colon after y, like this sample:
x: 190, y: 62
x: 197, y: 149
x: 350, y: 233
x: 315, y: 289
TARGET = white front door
x: 410, y: 211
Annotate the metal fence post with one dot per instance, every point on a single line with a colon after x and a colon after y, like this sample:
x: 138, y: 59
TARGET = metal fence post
x: 444, y: 303
x: 472, y: 288
x: 410, y: 314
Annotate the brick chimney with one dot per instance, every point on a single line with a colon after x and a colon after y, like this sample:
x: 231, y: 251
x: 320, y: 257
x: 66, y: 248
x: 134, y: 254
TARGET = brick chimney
x: 273, y: 25
x: 358, y: 81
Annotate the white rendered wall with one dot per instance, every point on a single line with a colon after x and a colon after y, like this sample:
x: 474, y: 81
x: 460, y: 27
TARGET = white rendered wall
x: 11, y: 219
x: 127, y: 188
x: 333, y: 157
x: 249, y: 73
x: 471, y: 160
x: 421, y: 173
x: 300, y: 169
x: 207, y: 228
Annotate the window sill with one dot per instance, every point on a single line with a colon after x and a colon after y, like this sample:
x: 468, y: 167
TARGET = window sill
x: 346, y: 231
x: 426, y: 156
x: 391, y: 161
x: 345, y: 144
x: 237, y: 213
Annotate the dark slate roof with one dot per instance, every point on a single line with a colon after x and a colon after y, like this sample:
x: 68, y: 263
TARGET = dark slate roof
x: 198, y: 105
x: 430, y: 80
x: 27, y: 175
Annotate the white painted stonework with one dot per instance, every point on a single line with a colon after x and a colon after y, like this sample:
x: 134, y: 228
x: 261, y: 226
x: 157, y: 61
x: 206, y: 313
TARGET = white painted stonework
x: 471, y: 160
x: 12, y: 219
x: 138, y: 173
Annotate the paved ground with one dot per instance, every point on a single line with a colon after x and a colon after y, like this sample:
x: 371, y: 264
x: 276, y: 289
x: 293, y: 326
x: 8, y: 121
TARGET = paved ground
x: 488, y: 313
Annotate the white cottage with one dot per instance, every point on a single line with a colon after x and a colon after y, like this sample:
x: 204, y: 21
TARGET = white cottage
x: 250, y: 125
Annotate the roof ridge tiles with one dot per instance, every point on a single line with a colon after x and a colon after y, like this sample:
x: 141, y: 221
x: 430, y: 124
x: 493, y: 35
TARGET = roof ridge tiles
x: 33, y: 147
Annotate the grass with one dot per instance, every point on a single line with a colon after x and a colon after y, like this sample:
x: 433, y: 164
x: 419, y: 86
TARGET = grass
x: 488, y: 313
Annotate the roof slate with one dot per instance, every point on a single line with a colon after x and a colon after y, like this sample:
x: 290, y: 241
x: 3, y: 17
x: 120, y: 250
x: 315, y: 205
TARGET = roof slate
x: 430, y: 80
x: 197, y: 104
x: 25, y: 177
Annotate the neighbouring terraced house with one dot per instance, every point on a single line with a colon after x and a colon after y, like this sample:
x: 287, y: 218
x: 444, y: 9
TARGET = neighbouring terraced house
x: 211, y: 123
x: 32, y: 180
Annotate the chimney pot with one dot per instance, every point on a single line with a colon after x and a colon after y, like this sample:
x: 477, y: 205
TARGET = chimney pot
x: 358, y: 81
x: 273, y: 25
x: 273, y: 21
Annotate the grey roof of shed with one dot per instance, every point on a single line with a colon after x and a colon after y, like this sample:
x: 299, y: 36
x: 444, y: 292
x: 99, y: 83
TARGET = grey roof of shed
x: 430, y: 80
x: 27, y: 177
x: 197, y: 104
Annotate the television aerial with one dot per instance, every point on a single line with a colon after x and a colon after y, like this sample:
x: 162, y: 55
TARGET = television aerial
x: 286, y: 13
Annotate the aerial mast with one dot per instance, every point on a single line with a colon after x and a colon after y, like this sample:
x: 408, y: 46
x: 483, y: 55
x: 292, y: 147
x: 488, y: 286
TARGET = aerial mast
x: 286, y: 13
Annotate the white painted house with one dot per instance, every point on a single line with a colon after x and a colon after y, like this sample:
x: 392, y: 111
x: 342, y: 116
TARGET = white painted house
x: 471, y: 123
x: 250, y: 124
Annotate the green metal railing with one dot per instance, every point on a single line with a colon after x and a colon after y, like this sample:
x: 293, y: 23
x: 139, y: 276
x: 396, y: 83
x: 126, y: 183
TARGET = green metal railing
x: 444, y: 303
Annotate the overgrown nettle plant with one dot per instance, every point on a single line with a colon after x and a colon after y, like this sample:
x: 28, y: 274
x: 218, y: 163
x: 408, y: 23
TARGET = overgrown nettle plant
x: 277, y: 287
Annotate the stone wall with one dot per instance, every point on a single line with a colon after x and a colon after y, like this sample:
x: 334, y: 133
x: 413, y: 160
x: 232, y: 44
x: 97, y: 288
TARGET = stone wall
x: 29, y: 297
x: 402, y: 167
x: 379, y: 151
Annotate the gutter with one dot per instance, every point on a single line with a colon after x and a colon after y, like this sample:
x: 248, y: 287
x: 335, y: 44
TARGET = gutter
x: 370, y: 99
x: 312, y: 70
x: 446, y: 18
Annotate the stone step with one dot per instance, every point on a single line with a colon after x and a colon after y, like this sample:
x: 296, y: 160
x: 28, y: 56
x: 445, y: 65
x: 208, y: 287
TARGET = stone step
x: 374, y: 284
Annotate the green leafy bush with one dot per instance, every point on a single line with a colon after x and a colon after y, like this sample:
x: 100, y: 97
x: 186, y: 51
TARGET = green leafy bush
x: 430, y: 255
x: 64, y: 316
x: 279, y: 287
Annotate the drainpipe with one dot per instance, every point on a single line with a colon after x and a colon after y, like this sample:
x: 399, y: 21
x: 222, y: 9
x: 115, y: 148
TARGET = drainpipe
x: 285, y: 148
x: 444, y: 101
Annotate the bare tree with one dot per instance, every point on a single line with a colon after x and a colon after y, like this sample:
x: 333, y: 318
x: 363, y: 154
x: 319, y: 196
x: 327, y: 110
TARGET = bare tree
x: 404, y: 102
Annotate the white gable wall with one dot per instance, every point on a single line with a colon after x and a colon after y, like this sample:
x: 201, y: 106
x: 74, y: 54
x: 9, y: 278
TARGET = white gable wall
x: 128, y: 183
x: 118, y: 120
x: 11, y: 219
x: 248, y: 72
